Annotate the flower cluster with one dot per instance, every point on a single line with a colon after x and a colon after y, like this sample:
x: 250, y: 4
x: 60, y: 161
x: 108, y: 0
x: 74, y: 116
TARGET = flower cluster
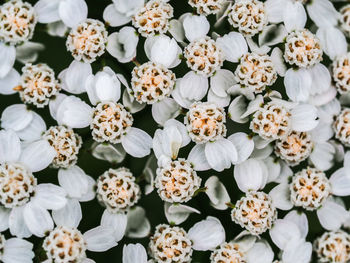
x: 134, y: 120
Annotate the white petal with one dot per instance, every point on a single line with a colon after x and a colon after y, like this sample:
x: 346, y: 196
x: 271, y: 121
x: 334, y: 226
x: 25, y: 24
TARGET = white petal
x: 283, y: 232
x: 165, y: 110
x: 113, y: 153
x: 297, y: 252
x: 278, y: 61
x: 138, y: 224
x: 219, y: 101
x: 176, y: 94
x: 275, y: 10
x: 10, y: 146
x: 38, y: 155
x: 298, y: 84
x: 9, y: 82
x: 117, y: 222
x: 69, y: 216
x: 107, y: 86
x: 57, y: 29
x: 300, y: 219
x: 17, y: 225
x: 37, y: 219
x: 16, y: 117
x: 74, y: 113
x: 137, y: 143
x: 237, y: 108
x: 272, y: 35
x: 74, y: 181
x: 220, y: 154
x: 28, y: 52
x: 207, y: 234
x: 323, y: 13
x: 333, y: 41
x: 90, y: 194
x: 17, y: 250
x: 122, y: 45
x: 165, y: 51
x: 8, y: 57
x: 198, y: 159
x: 294, y: 15
x: 34, y: 130
x: 50, y: 196
x: 322, y: 155
x: 176, y: 30
x: 115, y: 18
x: 99, y: 239
x: 4, y: 218
x: 196, y: 27
x: 332, y: 215
x: 193, y: 86
x: 250, y: 175
x: 233, y: 45
x: 131, y: 104
x: 340, y: 181
x: 178, y: 213
x: 73, y: 78
x: 134, y: 253
x: 261, y: 252
x: 55, y: 103
x: 47, y: 11
x: 217, y: 193
x: 304, y: 117
x: 321, y: 79
x: 243, y: 144
x: 222, y: 81
x: 72, y: 12
x: 280, y: 196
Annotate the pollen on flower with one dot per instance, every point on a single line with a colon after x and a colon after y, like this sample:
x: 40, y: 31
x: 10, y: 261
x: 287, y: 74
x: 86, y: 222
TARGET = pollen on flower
x: 341, y: 73
x: 170, y: 245
x: 207, y: 7
x: 255, y: 212
x: 203, y: 56
x: 65, y: 245
x: 87, y: 40
x: 272, y: 121
x: 110, y: 122
x: 248, y: 16
x: 152, y: 82
x: 38, y: 85
x: 345, y: 19
x: 205, y: 122
x: 309, y: 188
x: 117, y: 190
x: 302, y: 48
x: 17, y: 185
x: 294, y: 148
x: 66, y: 143
x: 177, y: 181
x: 228, y: 253
x: 153, y: 18
x: 341, y: 126
x: 17, y: 22
x: 256, y: 72
x: 333, y: 246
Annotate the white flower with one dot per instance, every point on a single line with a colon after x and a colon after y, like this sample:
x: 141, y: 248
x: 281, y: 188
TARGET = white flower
x: 26, y: 213
x: 104, y: 92
x: 175, y: 244
x: 311, y: 189
x: 66, y: 241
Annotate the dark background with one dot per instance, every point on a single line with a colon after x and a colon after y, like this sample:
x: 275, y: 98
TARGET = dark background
x: 57, y: 57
